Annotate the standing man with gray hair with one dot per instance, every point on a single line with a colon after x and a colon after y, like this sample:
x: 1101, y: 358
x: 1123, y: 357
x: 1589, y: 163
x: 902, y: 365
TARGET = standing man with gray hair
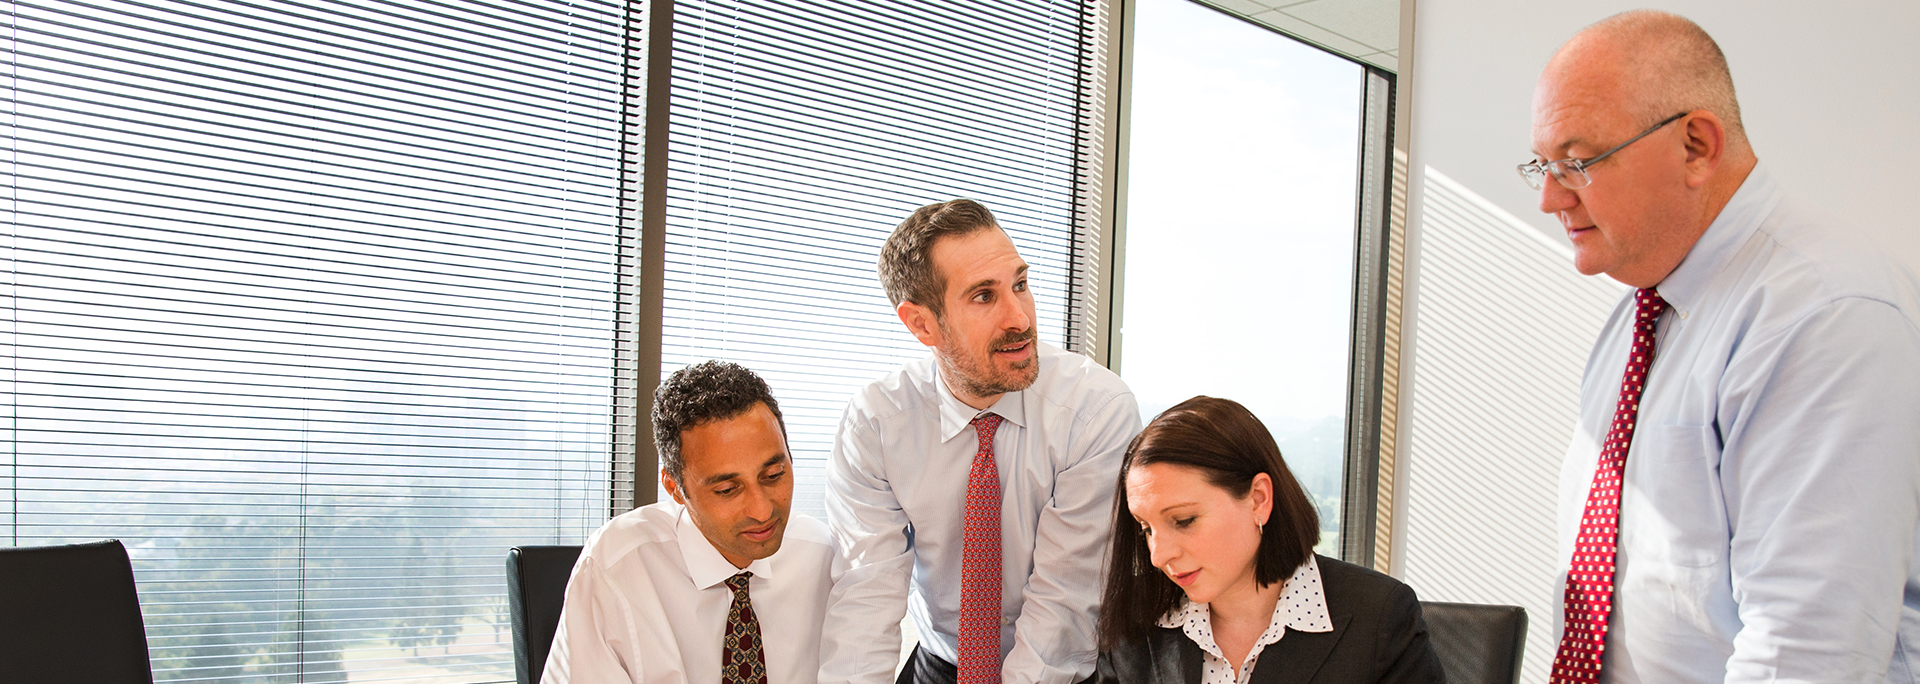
x: 1742, y: 496
x: 972, y: 488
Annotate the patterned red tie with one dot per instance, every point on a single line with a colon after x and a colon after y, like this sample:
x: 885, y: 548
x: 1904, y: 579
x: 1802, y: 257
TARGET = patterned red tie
x: 980, y: 563
x: 741, y: 660
x: 1590, y: 577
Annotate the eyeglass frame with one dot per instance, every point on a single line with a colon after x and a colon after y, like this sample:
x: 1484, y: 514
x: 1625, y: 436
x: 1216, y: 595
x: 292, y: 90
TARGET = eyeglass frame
x: 1535, y: 173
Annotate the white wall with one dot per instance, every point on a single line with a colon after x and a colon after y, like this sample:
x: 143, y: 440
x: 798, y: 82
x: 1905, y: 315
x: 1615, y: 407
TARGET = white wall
x: 1504, y: 330
x: 1829, y: 91
x: 1500, y: 323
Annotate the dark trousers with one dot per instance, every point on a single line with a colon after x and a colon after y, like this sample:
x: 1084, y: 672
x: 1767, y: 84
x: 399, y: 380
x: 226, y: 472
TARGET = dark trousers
x: 926, y: 668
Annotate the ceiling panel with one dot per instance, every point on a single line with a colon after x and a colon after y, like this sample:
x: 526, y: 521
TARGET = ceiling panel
x: 1366, y: 30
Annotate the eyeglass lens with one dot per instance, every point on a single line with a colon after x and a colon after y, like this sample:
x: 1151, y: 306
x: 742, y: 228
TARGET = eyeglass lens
x: 1572, y: 176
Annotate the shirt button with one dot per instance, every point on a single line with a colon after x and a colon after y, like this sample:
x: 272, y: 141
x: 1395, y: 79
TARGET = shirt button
x: 1004, y: 620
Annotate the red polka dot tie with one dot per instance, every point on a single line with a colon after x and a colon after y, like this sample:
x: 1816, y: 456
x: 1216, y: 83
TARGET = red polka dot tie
x: 1589, y: 599
x: 980, y: 563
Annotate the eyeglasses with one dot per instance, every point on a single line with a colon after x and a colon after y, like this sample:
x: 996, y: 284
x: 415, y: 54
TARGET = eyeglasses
x: 1571, y: 172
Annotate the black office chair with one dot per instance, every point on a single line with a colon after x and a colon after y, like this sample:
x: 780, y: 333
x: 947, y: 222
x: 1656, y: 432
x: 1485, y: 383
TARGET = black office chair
x: 1477, y: 644
x: 71, y: 615
x: 536, y: 588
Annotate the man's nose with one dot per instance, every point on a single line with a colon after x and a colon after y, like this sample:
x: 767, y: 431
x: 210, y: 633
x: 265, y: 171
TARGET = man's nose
x: 760, y: 504
x: 1013, y: 315
x: 1556, y: 198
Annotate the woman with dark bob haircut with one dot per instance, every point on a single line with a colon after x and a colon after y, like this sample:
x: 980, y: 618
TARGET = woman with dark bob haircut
x: 1214, y: 579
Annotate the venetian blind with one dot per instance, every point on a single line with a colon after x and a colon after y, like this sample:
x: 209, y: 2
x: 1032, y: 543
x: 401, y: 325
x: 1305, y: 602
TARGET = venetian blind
x: 801, y: 133
x: 309, y: 303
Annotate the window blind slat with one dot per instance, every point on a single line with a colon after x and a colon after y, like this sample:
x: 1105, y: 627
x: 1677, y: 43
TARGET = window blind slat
x: 310, y: 307
x: 792, y: 155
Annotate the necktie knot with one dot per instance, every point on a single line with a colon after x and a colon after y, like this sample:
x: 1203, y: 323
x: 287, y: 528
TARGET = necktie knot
x: 1648, y: 304
x: 738, y: 582
x: 985, y: 425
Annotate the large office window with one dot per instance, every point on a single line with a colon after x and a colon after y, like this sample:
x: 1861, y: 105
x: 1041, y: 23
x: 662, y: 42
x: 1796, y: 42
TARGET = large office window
x: 802, y: 133
x: 1240, y: 241
x: 309, y: 305
x: 313, y: 304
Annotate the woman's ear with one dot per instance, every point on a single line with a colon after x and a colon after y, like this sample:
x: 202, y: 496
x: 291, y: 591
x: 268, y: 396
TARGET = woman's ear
x: 1261, y: 494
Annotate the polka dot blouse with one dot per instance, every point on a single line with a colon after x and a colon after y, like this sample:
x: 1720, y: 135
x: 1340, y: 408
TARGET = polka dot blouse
x: 1302, y: 607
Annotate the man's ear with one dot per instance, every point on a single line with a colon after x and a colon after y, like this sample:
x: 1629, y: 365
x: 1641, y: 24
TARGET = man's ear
x: 921, y: 321
x: 673, y: 488
x: 1706, y: 141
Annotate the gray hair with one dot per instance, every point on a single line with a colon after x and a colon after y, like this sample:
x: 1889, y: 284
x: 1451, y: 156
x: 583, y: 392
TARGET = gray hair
x: 1679, y: 67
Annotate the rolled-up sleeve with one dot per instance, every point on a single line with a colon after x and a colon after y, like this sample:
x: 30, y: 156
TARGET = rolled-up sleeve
x: 1821, y: 468
x: 1054, y: 637
x: 860, y: 639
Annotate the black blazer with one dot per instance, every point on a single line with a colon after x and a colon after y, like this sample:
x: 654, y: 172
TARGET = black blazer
x: 1378, y: 636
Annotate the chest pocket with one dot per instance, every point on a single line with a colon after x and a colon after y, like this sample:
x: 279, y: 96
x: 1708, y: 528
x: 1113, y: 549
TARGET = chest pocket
x: 1673, y: 508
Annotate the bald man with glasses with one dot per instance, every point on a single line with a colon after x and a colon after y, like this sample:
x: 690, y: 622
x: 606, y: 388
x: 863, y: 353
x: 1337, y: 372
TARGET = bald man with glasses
x: 1741, y: 499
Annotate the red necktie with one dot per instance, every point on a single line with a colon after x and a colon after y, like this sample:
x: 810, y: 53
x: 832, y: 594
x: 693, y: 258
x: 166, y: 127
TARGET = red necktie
x: 1590, y: 577
x: 980, y: 563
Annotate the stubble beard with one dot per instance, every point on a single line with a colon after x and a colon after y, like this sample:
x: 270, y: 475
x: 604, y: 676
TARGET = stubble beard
x: 975, y: 374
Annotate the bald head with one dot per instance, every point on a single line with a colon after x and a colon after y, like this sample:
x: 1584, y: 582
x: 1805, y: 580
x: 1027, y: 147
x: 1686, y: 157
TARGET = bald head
x: 1644, y: 104
x: 1652, y: 64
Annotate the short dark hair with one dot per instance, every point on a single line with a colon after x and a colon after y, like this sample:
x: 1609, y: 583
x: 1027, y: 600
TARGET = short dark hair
x: 701, y: 393
x: 906, y: 261
x: 1229, y: 445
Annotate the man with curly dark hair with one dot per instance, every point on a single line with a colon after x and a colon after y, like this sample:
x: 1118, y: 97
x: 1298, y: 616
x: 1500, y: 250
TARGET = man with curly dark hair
x: 685, y: 590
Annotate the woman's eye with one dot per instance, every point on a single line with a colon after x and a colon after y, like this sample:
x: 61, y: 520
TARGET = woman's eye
x: 1182, y: 522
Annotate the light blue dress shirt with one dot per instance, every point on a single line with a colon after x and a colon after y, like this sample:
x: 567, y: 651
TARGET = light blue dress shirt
x: 1768, y: 519
x: 897, y: 483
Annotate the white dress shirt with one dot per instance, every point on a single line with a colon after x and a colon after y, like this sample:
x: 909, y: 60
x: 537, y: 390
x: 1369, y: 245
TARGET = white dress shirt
x: 648, y: 603
x: 1772, y: 496
x: 897, y: 483
x: 1302, y: 608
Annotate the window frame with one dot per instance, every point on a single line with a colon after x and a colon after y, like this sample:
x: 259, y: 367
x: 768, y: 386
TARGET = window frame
x: 1096, y: 285
x: 1379, y: 261
x: 641, y: 280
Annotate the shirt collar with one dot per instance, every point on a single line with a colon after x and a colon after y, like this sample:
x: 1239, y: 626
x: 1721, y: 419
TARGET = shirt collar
x: 956, y: 415
x: 1302, y: 608
x: 705, y: 566
x: 1749, y: 206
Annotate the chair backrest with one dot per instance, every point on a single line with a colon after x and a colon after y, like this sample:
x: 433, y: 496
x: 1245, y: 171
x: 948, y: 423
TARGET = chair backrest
x: 536, y: 588
x: 1477, y: 644
x: 71, y: 615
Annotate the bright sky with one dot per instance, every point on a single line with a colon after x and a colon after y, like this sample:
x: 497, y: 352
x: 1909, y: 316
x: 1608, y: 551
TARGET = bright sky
x: 1240, y: 217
